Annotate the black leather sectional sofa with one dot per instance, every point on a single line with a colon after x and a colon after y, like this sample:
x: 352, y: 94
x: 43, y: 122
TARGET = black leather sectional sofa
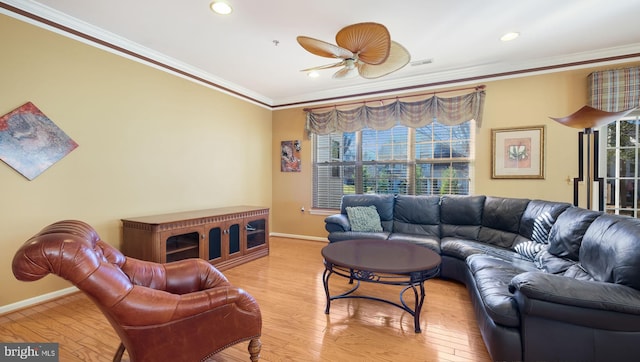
x: 548, y: 281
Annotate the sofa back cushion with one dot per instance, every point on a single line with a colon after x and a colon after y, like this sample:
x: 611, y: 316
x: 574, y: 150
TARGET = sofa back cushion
x: 417, y: 215
x: 610, y: 250
x: 568, y: 231
x: 461, y: 216
x: 501, y: 220
x: 539, y: 217
x: 382, y: 202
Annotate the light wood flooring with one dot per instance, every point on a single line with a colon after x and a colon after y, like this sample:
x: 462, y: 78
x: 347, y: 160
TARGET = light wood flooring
x: 288, y: 287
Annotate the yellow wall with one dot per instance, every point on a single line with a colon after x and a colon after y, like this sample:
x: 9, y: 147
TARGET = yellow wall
x: 149, y: 143
x: 517, y: 102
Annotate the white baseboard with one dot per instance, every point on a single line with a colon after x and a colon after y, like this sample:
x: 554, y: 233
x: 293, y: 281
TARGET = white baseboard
x: 36, y: 300
x: 303, y: 237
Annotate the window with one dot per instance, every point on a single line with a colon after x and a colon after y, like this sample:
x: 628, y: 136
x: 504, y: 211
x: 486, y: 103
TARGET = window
x: 621, y: 176
x: 431, y: 160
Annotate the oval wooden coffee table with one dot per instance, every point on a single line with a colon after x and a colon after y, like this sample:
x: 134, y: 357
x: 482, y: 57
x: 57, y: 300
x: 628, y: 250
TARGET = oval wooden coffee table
x: 382, y: 262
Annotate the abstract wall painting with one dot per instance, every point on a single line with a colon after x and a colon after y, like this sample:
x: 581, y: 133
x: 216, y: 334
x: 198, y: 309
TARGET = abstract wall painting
x: 30, y: 142
x: 518, y: 153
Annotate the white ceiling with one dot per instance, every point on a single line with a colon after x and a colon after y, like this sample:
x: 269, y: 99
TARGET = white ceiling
x: 237, y: 52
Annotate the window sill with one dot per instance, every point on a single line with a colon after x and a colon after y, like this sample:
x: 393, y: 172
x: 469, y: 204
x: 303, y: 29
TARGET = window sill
x: 325, y: 212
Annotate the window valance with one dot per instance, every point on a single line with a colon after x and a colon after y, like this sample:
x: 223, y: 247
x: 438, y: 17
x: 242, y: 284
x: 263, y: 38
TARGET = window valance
x: 448, y: 111
x: 615, y: 90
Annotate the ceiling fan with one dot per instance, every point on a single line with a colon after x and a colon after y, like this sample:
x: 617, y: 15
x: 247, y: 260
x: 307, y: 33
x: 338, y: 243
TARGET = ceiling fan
x: 366, y: 49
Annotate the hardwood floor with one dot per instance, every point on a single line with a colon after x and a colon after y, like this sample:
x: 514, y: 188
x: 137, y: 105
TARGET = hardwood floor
x: 288, y: 286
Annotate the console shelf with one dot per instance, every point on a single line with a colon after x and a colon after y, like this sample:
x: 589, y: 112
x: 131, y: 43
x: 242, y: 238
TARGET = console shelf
x: 225, y: 237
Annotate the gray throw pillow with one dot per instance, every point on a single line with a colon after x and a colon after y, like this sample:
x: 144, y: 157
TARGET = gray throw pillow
x: 364, y: 218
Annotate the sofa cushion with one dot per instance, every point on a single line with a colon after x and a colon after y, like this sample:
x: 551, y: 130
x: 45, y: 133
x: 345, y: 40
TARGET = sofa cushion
x: 461, y: 216
x: 501, y: 220
x: 503, y: 213
x: 550, y: 263
x: 539, y: 217
x: 431, y: 242
x: 492, y: 277
x: 382, y: 202
x: 350, y: 235
x: 566, y: 234
x: 461, y: 249
x: 610, y: 250
x: 418, y: 215
x: 364, y: 218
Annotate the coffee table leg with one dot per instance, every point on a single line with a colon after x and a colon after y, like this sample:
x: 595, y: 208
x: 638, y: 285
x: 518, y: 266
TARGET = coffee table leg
x: 419, y: 301
x: 325, y: 281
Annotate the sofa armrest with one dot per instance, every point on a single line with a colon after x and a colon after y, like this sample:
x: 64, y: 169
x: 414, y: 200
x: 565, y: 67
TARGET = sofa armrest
x: 581, y: 293
x: 337, y: 222
x: 581, y: 302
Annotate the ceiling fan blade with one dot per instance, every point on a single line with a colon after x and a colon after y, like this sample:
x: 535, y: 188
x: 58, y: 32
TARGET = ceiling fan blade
x: 327, y: 66
x: 323, y: 49
x: 346, y: 73
x: 370, y: 41
x: 398, y: 58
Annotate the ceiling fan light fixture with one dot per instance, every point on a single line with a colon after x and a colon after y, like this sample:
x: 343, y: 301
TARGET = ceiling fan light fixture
x: 313, y: 74
x: 221, y: 7
x: 510, y: 36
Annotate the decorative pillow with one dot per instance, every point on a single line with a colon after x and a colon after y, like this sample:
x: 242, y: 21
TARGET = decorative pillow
x: 542, y: 227
x: 364, y: 218
x: 529, y: 249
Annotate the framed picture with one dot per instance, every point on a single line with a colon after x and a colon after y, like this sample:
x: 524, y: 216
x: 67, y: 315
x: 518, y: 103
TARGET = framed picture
x: 290, y: 156
x: 518, y: 153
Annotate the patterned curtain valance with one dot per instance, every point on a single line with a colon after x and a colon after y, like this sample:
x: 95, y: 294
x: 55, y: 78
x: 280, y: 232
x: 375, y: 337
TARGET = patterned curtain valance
x: 448, y: 111
x: 615, y: 90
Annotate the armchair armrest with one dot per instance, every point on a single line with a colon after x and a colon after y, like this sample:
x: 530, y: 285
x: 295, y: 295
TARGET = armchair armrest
x: 179, y: 277
x: 588, y: 303
x: 337, y: 222
x: 169, y: 308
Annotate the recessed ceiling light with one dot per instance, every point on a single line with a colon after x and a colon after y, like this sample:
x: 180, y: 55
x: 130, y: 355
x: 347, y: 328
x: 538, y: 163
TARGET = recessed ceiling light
x: 510, y: 36
x: 221, y: 7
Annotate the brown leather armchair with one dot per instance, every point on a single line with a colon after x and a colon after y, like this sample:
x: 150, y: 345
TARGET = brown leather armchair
x: 181, y: 311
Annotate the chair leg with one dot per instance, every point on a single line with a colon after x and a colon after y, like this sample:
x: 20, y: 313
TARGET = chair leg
x: 119, y: 353
x: 254, y: 349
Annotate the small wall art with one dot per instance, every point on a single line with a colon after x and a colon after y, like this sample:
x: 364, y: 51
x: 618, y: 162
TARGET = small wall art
x: 30, y: 142
x: 518, y: 153
x: 290, y: 156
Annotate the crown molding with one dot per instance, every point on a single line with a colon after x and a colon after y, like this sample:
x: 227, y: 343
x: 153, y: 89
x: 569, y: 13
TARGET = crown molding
x: 60, y: 23
x: 468, y: 75
x: 45, y: 17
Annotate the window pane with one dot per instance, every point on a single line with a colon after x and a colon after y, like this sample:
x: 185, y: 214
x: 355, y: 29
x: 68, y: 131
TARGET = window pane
x: 611, y: 163
x: 627, y: 192
x: 385, y: 145
x: 376, y: 161
x: 385, y: 179
x: 627, y: 162
x: 628, y: 133
x: 424, y: 151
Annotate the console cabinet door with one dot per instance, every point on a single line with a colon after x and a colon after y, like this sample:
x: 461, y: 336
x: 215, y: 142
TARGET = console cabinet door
x: 256, y: 233
x: 181, y: 244
x: 224, y: 241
